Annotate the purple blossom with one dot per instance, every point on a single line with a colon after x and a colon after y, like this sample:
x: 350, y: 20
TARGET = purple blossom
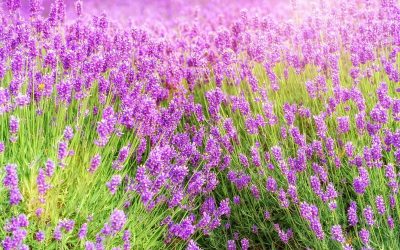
x: 231, y: 245
x: 343, y: 124
x: 39, y: 236
x: 192, y: 246
x: 62, y: 150
x: 272, y: 186
x: 183, y: 230
x: 380, y: 204
x: 10, y: 182
x: 42, y: 183
x: 369, y: 216
x: 83, y: 231
x: 117, y: 221
x: 127, y: 241
x: 364, y: 236
x: 68, y: 133
x: 49, y: 168
x: 352, y: 214
x: 337, y: 233
x: 14, y: 124
x: 114, y: 183
x: 244, y: 243
x: 94, y: 163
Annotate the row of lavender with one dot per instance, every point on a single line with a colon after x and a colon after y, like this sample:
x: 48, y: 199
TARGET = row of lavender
x: 217, y: 115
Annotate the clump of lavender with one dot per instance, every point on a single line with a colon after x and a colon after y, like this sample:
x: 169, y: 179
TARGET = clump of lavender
x: 62, y: 150
x: 13, y: 128
x: 364, y: 236
x: 369, y: 216
x: 42, y: 184
x: 337, y: 234
x: 83, y: 231
x: 231, y: 245
x: 127, y: 241
x: 68, y: 133
x: 40, y: 236
x: 10, y: 182
x: 116, y: 223
x: 352, y: 214
x: 49, y: 168
x: 244, y: 243
x: 310, y: 213
x: 114, y: 183
x: 122, y: 156
x: 14, y: 124
x: 192, y: 246
x: 94, y: 163
x: 16, y: 227
x: 183, y: 230
x: 65, y: 224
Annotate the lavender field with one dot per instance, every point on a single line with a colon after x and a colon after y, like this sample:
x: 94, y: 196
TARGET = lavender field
x: 203, y: 124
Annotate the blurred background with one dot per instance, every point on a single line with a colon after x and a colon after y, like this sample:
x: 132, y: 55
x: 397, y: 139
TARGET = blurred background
x: 167, y: 10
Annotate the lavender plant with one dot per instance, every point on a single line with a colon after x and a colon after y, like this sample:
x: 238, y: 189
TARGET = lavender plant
x: 199, y: 125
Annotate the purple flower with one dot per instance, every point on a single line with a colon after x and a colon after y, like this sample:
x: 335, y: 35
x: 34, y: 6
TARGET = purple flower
x: 114, y: 183
x: 83, y: 231
x: 231, y: 245
x: 337, y: 233
x: 277, y: 153
x: 236, y: 199
x: 127, y: 241
x: 361, y: 183
x: 14, y: 124
x: 315, y: 185
x: 283, y: 200
x: 349, y: 148
x: 123, y: 154
x: 68, y: 133
x: 320, y: 125
x: 117, y: 220
x: 224, y: 208
x: 90, y: 245
x: 255, y: 192
x: 267, y: 215
x: 50, y: 167
x: 57, y: 234
x: 192, y: 246
x: 62, y: 150
x: 39, y: 212
x: 369, y: 216
x: 352, y: 214
x: 364, y: 236
x: 39, y: 236
x: 243, y: 160
x: 183, y: 230
x: 10, y: 182
x: 67, y: 225
x: 390, y: 222
x: 94, y: 163
x: 272, y: 186
x: 78, y: 7
x: 244, y: 244
x: 42, y: 184
x: 310, y: 213
x: 380, y: 204
x: 343, y: 124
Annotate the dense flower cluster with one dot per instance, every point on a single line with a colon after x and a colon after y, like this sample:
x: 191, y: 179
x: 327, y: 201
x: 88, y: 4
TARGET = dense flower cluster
x: 235, y: 124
